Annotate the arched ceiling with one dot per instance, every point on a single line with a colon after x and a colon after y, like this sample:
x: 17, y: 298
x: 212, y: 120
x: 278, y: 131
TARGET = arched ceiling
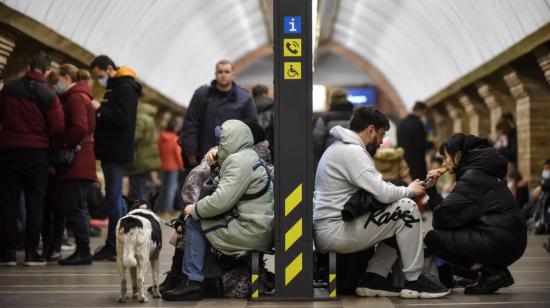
x: 423, y: 46
x: 173, y: 45
x: 419, y: 47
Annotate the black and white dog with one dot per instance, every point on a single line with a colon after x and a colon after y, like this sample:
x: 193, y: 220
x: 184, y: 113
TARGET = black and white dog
x: 138, y: 243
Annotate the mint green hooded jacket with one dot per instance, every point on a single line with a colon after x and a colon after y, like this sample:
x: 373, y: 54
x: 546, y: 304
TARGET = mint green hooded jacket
x: 241, y: 173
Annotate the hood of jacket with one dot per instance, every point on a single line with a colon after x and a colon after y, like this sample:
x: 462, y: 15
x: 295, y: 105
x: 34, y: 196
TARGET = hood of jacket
x: 81, y: 86
x: 124, y: 75
x: 346, y: 136
x: 235, y: 136
x: 478, y: 154
x: 390, y: 154
x: 125, y: 71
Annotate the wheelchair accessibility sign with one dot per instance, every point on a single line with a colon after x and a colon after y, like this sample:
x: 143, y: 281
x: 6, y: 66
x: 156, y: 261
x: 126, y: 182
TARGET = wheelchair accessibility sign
x: 292, y: 47
x: 293, y: 70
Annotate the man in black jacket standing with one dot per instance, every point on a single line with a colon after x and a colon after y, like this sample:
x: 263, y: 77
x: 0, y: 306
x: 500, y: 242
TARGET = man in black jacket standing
x: 114, y: 137
x: 210, y: 106
x: 412, y: 137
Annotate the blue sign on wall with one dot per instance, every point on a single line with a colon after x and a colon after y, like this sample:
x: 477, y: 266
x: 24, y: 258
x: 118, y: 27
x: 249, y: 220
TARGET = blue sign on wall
x: 362, y: 96
x: 293, y: 24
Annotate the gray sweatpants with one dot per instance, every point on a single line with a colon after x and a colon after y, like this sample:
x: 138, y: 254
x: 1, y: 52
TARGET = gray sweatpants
x: 400, y: 219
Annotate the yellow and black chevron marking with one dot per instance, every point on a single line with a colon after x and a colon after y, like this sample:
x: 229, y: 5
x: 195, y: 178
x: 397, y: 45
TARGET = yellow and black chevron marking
x: 332, y: 274
x: 254, y: 287
x: 293, y: 234
x: 332, y: 285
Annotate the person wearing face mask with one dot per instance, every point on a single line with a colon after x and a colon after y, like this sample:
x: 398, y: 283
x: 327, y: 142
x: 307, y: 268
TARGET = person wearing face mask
x: 479, y: 225
x: 412, y: 137
x: 30, y: 115
x: 345, y: 168
x: 76, y: 179
x: 114, y: 137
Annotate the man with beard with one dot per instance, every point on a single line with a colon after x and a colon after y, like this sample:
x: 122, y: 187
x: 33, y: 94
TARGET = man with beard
x: 347, y: 167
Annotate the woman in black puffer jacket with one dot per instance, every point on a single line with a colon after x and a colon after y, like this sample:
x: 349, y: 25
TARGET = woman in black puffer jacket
x: 479, y: 225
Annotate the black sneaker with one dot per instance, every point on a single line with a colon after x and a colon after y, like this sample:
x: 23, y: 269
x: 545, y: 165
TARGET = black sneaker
x: 105, y: 253
x: 33, y: 258
x: 8, y: 259
x: 490, y: 281
x: 423, y: 287
x: 374, y: 285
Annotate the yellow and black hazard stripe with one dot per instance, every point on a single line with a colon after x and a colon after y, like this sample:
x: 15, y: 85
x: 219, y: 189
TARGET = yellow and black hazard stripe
x: 332, y: 274
x: 293, y: 234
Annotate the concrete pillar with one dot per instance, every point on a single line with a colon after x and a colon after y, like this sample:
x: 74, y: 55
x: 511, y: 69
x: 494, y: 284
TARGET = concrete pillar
x: 457, y: 116
x: 477, y: 114
x: 497, y: 98
x: 530, y: 89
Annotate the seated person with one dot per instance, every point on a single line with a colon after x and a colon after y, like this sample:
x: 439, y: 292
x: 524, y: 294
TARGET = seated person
x: 479, y: 224
x: 536, y: 212
x: 347, y: 167
x: 191, y: 193
x: 235, y: 219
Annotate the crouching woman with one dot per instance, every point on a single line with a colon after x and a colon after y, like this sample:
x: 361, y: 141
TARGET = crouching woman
x: 235, y: 219
x: 478, y: 225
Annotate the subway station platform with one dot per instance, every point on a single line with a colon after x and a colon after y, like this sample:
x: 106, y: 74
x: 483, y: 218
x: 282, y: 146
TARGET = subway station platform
x: 98, y: 286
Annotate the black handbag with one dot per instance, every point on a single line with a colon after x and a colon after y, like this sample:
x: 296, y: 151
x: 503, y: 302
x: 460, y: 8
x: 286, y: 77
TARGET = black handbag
x: 360, y: 203
x: 63, y: 157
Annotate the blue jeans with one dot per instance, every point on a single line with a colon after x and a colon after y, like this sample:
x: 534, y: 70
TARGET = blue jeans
x: 168, y: 190
x: 138, y: 186
x: 116, y: 208
x: 198, y: 259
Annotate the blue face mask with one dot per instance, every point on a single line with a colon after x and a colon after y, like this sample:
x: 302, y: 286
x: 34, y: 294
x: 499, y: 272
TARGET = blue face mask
x: 103, y: 81
x: 546, y: 174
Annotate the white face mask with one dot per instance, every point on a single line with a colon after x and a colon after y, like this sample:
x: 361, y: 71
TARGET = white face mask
x: 60, y: 89
x: 103, y: 81
x: 546, y: 174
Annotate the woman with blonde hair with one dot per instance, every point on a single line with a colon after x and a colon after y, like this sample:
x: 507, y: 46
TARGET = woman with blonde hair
x: 76, y: 176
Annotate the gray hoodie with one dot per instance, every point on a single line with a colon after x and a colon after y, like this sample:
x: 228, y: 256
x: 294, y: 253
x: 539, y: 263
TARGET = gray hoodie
x: 344, y: 168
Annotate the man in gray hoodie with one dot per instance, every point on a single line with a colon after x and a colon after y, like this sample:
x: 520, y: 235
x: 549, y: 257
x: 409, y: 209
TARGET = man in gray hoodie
x: 344, y: 169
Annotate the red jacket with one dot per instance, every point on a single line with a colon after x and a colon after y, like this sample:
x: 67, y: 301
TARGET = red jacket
x: 79, y: 127
x: 170, y: 152
x: 29, y: 117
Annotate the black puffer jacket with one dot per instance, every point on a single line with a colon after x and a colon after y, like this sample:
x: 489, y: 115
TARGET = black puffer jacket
x: 479, y: 220
x: 116, y: 119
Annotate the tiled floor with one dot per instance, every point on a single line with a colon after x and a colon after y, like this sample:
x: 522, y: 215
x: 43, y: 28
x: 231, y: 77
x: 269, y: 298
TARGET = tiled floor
x: 98, y: 286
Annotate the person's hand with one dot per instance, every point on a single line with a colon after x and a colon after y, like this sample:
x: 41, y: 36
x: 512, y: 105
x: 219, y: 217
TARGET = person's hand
x: 433, y: 176
x: 418, y: 187
x: 187, y: 210
x: 192, y: 160
x: 211, y: 155
x: 95, y: 104
x: 537, y: 192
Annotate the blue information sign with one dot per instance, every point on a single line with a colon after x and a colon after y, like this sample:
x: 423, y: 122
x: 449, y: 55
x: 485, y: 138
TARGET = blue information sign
x: 293, y: 24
